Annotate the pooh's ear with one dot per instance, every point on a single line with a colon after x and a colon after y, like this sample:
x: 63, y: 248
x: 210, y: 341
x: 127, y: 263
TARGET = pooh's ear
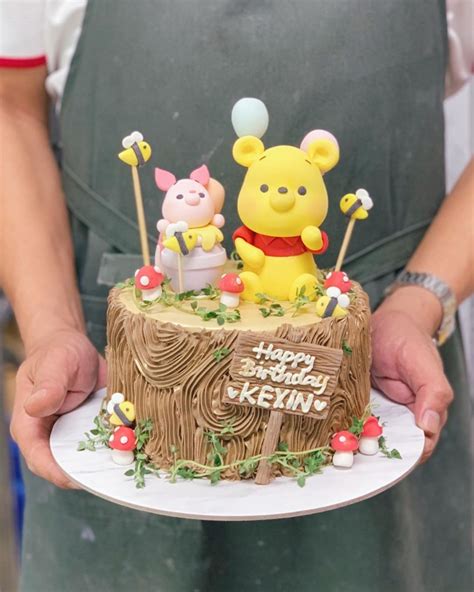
x: 247, y: 149
x: 324, y: 153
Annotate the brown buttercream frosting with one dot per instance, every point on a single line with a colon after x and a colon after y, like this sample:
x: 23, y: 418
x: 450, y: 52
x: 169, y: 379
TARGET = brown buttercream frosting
x: 168, y: 370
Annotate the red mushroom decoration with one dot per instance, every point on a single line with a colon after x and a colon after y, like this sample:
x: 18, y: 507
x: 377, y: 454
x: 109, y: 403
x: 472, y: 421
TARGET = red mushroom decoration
x: 344, y: 444
x: 231, y: 286
x: 123, y: 443
x: 338, y: 279
x: 369, y: 439
x: 148, y: 280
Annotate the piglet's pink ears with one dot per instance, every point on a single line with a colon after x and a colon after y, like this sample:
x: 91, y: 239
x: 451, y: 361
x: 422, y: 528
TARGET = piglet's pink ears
x: 164, y: 179
x: 201, y: 175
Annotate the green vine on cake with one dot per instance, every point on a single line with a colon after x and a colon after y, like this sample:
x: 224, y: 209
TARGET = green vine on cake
x: 384, y: 449
x: 97, y: 436
x: 189, y: 302
x: 298, y: 465
x: 221, y: 314
x: 276, y: 309
x: 143, y: 466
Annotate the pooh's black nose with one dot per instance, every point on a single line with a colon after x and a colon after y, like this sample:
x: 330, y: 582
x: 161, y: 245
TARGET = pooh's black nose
x: 282, y: 190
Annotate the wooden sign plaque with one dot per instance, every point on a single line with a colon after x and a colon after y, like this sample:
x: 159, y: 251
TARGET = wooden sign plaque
x: 280, y: 375
x: 283, y: 377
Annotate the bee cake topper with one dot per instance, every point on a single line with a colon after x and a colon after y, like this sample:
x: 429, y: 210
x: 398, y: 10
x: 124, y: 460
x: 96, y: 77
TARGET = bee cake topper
x: 136, y: 153
x: 355, y: 206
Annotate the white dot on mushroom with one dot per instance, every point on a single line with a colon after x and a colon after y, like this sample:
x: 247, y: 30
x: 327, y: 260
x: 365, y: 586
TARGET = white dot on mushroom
x: 123, y: 440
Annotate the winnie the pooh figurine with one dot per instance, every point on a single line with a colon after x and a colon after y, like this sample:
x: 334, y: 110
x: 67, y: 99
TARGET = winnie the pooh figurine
x: 282, y: 204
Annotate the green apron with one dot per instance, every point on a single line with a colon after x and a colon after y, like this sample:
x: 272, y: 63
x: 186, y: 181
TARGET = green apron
x: 370, y: 71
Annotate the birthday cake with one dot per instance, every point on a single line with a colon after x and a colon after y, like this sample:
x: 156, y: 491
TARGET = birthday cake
x: 241, y: 366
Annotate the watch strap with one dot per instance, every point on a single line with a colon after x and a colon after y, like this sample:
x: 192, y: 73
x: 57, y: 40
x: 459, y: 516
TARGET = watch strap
x: 437, y: 287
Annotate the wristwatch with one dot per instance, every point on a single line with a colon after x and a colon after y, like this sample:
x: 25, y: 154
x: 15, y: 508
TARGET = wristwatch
x: 437, y: 287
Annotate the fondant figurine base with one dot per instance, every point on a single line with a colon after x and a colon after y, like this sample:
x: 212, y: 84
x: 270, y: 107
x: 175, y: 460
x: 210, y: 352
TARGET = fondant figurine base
x: 200, y: 268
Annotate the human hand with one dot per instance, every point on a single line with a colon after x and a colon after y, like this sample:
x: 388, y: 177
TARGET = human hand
x: 56, y: 377
x: 406, y: 364
x: 312, y: 238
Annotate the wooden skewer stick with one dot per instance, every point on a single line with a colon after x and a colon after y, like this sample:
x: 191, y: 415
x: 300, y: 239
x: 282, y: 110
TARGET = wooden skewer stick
x: 180, y: 274
x: 345, y: 244
x: 140, y: 215
x: 270, y: 444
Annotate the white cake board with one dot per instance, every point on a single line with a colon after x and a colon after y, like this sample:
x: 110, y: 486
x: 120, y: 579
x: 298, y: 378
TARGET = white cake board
x: 242, y: 500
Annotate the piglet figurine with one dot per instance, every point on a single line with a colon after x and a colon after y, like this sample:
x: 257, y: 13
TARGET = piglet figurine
x: 190, y: 199
x: 197, y: 201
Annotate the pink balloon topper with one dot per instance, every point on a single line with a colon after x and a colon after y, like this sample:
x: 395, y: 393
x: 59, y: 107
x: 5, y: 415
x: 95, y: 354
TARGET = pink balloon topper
x: 317, y: 134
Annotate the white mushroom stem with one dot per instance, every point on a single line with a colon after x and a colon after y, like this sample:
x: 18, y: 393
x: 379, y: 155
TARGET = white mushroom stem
x: 123, y: 457
x: 343, y: 459
x: 369, y: 445
x: 230, y: 300
x: 150, y: 295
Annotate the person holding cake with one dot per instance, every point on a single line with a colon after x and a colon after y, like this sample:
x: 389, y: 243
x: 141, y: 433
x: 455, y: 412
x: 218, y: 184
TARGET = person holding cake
x: 120, y: 67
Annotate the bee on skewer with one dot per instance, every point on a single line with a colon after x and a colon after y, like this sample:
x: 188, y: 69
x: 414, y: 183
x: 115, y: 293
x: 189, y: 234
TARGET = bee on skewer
x: 137, y: 152
x: 179, y: 238
x: 356, y: 205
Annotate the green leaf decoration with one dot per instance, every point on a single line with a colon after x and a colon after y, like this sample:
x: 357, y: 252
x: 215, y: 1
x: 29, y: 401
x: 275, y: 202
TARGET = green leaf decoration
x: 221, y: 353
x: 384, y: 449
x: 97, y: 437
x: 301, y: 480
x: 357, y: 426
x: 346, y: 348
x: 215, y: 477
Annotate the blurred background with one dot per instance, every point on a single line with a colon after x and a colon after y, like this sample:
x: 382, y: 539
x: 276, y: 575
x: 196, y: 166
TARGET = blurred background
x: 459, y: 110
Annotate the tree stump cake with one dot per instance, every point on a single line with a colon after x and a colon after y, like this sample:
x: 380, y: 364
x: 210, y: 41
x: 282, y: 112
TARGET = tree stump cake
x: 176, y: 369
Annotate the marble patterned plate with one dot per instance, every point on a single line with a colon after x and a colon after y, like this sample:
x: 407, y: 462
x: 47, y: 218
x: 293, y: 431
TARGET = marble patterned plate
x: 243, y: 500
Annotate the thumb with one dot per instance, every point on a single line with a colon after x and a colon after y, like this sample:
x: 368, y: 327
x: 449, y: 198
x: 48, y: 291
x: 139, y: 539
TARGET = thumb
x: 433, y: 393
x: 51, y: 379
x: 431, y: 405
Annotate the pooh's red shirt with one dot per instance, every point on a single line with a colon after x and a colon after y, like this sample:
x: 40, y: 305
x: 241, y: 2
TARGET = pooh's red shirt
x: 278, y: 246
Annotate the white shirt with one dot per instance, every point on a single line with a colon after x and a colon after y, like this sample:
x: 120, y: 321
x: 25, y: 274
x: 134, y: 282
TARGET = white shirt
x: 36, y: 32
